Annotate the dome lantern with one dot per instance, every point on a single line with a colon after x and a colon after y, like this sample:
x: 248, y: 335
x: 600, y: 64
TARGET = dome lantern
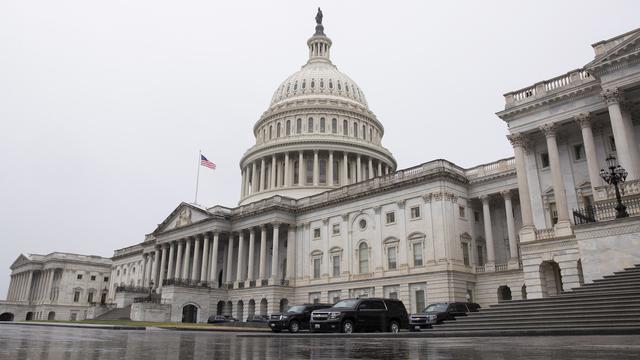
x: 319, y: 44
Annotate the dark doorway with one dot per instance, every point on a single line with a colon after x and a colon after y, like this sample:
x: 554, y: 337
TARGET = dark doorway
x: 6, y: 317
x: 52, y: 315
x: 220, y: 279
x: 504, y: 293
x: 29, y: 316
x: 190, y: 314
x: 103, y: 298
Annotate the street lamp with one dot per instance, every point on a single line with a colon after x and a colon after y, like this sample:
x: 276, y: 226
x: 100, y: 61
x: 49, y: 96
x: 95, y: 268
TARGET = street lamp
x: 616, y: 175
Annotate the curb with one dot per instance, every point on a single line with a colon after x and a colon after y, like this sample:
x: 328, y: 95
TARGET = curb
x: 88, y: 326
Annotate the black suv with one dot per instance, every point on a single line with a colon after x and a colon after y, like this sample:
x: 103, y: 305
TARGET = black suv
x: 294, y: 319
x: 439, y: 312
x: 368, y: 314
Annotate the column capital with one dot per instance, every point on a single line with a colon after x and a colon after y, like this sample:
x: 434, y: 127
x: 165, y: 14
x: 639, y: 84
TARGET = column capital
x: 549, y: 129
x: 427, y: 198
x: 484, y: 198
x: 276, y: 224
x: 518, y: 140
x: 611, y: 96
x: 583, y: 119
x: 506, y: 194
x: 400, y: 204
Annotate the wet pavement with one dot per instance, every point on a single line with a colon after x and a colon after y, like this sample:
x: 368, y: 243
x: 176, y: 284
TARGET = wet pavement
x: 35, y: 342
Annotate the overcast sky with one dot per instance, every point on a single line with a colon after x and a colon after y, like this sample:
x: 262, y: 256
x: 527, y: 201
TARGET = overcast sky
x: 105, y: 104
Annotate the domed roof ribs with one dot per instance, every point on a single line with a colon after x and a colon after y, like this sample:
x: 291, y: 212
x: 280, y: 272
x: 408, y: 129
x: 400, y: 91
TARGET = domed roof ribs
x: 319, y: 44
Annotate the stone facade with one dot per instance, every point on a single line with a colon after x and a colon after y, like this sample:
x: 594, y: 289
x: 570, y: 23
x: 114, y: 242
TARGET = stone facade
x: 325, y: 215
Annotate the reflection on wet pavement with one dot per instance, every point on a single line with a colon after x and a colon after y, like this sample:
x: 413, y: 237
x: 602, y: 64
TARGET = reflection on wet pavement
x: 34, y: 342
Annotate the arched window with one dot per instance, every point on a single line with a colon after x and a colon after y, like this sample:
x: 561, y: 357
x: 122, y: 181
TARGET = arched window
x: 363, y: 254
x: 370, y: 134
x: 322, y: 125
x: 288, y: 127
x: 334, y: 126
x: 295, y: 86
x: 339, y: 86
x: 330, y: 84
x: 304, y: 84
x: 364, y: 132
x: 345, y: 127
x: 321, y: 83
x: 270, y: 131
x: 310, y: 125
x: 355, y: 129
x: 278, y: 130
x: 298, y: 126
x: 313, y: 83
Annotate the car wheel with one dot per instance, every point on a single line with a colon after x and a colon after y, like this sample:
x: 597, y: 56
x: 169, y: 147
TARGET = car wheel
x: 347, y: 327
x: 294, y: 327
x: 394, y: 327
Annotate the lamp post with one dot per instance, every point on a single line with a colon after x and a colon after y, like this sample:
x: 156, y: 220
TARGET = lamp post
x: 616, y: 175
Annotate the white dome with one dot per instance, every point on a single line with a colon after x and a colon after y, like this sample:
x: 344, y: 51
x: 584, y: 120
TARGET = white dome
x: 319, y: 79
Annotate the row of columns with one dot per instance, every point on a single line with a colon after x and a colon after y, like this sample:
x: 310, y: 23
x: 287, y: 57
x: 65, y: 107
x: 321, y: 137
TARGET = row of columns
x: 277, y: 171
x: 31, y: 286
x: 201, y: 264
x: 488, y: 230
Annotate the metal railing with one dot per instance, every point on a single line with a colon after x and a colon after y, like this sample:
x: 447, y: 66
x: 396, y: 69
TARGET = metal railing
x: 604, y: 211
x: 150, y: 299
x: 185, y: 283
x: 133, y: 289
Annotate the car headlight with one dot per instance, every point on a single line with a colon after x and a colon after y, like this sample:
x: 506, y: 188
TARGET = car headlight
x: 433, y: 317
x: 334, y: 315
x: 283, y: 317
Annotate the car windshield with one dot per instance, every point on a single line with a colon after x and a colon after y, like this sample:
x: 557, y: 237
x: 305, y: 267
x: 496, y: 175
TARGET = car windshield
x: 296, y: 309
x: 346, y: 304
x: 436, y: 307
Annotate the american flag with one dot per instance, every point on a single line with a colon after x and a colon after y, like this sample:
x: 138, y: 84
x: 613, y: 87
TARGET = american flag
x: 207, y: 163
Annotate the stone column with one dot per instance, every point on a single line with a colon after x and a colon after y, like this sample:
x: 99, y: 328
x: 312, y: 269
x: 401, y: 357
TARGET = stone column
x: 358, y: 169
x: 230, y: 257
x: 195, y: 273
x: 316, y: 168
x: 252, y: 239
x: 371, y: 174
x: 213, y: 269
x: 511, y: 227
x: 172, y: 268
x: 584, y: 120
x: 147, y: 269
x: 519, y: 142
x: 156, y: 264
x: 11, y: 286
x: 379, y: 168
x: 205, y: 260
x: 272, y: 182
x: 291, y: 252
x: 329, y: 171
x: 144, y: 271
x: 244, y: 177
x: 187, y: 259
x: 263, y: 253
x: 178, y: 273
x: 48, y: 288
x: 287, y: 175
x: 163, y: 264
x: 262, y: 175
x: 301, y: 174
x: 29, y: 282
x: 254, y: 178
x: 488, y: 232
x: 274, y: 258
x: 240, y: 269
x: 345, y: 169
x: 563, y: 227
x: 626, y: 146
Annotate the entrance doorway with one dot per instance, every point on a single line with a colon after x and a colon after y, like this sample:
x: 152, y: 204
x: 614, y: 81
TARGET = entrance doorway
x: 190, y: 314
x: 550, y: 278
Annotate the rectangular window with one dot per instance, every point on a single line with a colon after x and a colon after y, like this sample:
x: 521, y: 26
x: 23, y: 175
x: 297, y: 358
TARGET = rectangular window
x: 76, y: 296
x: 316, y: 233
x: 93, y: 278
x: 553, y: 213
x: 322, y: 125
x: 544, y: 160
x: 417, y: 254
x: 420, y: 300
x: 415, y: 212
x: 74, y: 316
x: 314, y: 297
x: 391, y: 217
x: 392, y: 256
x: 480, y: 255
x: 90, y: 298
x: 336, y: 173
x: 309, y: 171
x: 106, y: 279
x: 476, y: 216
x: 316, y: 268
x: 334, y: 126
x: 393, y: 295
x: 461, y: 211
x: 80, y: 276
x: 465, y: 253
x: 334, y: 296
x: 578, y: 152
x: 335, y: 229
x: 323, y: 171
x: 299, y: 126
x: 336, y: 265
x: 310, y: 125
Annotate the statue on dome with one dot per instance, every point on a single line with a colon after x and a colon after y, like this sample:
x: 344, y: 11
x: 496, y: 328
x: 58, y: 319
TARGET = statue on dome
x: 319, y: 17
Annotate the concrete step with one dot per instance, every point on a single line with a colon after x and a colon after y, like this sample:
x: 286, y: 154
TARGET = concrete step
x: 446, y: 328
x: 627, y: 271
x: 116, y: 314
x: 570, y: 297
x: 569, y: 303
x: 607, y: 287
x: 629, y: 316
x: 617, y: 278
x: 630, y: 275
x: 630, y: 307
x: 544, y: 322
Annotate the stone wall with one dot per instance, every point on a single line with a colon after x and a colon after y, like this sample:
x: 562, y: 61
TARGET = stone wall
x: 151, y: 312
x: 487, y: 286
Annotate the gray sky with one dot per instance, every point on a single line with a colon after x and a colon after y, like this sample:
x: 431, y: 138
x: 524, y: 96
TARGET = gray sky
x: 104, y: 105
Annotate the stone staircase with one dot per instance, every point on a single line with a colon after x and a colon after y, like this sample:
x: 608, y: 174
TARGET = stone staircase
x: 116, y: 314
x: 608, y: 305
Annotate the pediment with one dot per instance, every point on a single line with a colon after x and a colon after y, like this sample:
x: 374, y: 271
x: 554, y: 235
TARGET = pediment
x: 627, y: 45
x: 21, y: 260
x: 184, y: 215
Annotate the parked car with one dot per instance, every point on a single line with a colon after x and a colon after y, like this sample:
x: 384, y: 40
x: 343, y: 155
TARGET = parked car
x: 439, y: 312
x: 258, y: 318
x: 368, y: 314
x: 295, y: 319
x: 219, y: 319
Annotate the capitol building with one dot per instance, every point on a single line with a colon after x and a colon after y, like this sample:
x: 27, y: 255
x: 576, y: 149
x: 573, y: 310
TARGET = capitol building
x: 325, y: 214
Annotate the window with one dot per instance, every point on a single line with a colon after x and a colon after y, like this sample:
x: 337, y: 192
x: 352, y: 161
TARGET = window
x: 76, y: 296
x: 420, y: 300
x: 270, y: 131
x: 322, y: 163
x: 106, y: 279
x: 310, y: 125
x: 314, y: 297
x: 363, y: 224
x: 415, y: 212
x: 93, y: 278
x: 334, y: 296
x: 90, y: 298
x: 296, y: 172
x: 553, y: 213
x: 465, y: 253
x: 309, y: 171
x: 578, y: 152
x: 316, y: 233
x: 299, y: 126
x: 417, y: 254
x: 476, y: 216
x: 363, y: 254
x: 80, y: 275
x: 480, y: 255
x: 322, y: 127
x: 316, y: 268
x: 288, y: 127
x: 336, y: 173
x: 391, y: 217
x: 335, y: 229
x: 124, y: 271
x: 345, y: 127
x: 334, y: 126
x: 118, y: 273
x: 278, y: 130
x: 364, y: 132
x: 461, y: 211
x: 544, y: 160
x: 355, y: 130
x: 391, y: 257
x: 393, y: 295
x: 335, y: 262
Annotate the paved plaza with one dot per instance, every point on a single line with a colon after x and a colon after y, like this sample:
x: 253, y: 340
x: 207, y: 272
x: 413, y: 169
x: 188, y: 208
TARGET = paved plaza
x: 35, y: 342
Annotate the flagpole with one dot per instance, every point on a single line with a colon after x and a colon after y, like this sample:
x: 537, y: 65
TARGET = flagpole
x: 195, y: 201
